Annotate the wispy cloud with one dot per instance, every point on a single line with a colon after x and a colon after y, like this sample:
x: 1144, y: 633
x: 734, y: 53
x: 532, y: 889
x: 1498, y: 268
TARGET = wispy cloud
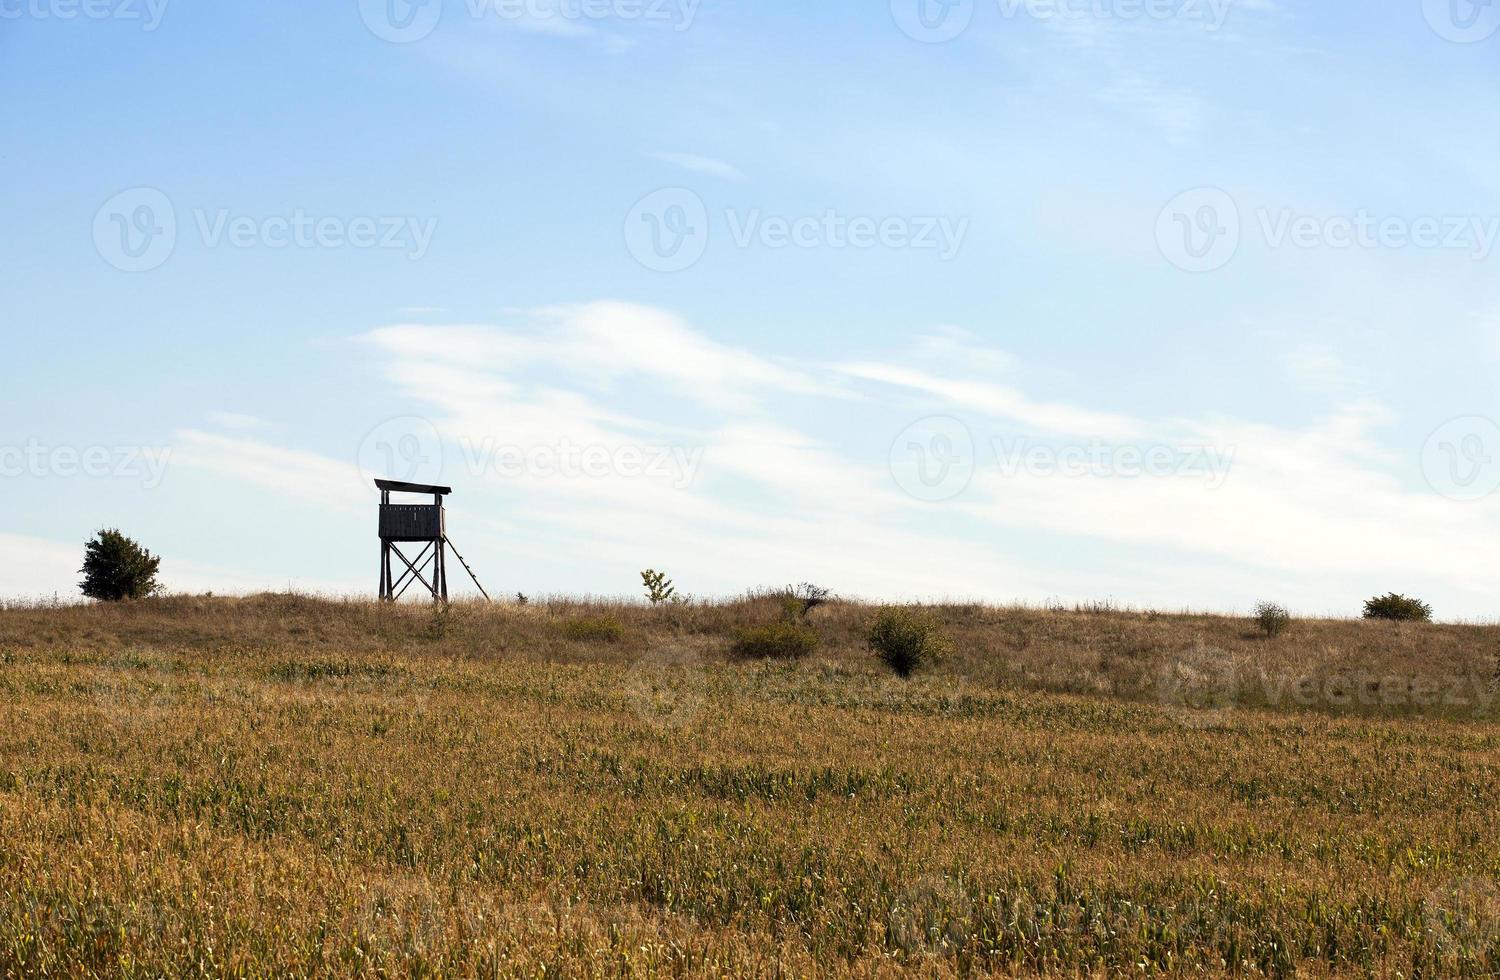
x: 700, y: 164
x: 1317, y: 367
x: 775, y: 489
x: 304, y: 475
x: 1175, y: 111
x: 1297, y: 502
x: 237, y: 421
x: 999, y: 401
x: 604, y: 342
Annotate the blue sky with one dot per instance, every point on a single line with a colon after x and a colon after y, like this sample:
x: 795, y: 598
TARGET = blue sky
x: 1180, y: 303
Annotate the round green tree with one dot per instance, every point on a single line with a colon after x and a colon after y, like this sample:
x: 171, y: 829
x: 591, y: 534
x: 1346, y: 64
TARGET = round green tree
x: 115, y: 568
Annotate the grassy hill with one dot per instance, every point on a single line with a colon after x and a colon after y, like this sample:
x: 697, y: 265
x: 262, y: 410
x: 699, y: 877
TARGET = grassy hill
x: 279, y: 785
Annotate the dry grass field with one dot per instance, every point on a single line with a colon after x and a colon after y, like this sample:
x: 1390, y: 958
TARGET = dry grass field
x: 279, y: 786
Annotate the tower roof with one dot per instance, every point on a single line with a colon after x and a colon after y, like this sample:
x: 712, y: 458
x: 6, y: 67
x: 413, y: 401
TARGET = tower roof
x: 397, y: 486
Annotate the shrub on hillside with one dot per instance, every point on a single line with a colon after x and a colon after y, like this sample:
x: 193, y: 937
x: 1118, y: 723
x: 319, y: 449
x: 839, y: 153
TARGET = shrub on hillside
x: 115, y: 568
x: 799, y: 602
x: 659, y: 588
x: 594, y: 629
x: 779, y: 641
x: 907, y: 640
x: 1399, y: 608
x: 1272, y: 619
x: 439, y: 622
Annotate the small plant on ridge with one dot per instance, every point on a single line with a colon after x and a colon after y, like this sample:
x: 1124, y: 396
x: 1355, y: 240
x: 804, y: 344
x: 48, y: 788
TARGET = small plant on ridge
x: 659, y: 588
x: 1272, y: 619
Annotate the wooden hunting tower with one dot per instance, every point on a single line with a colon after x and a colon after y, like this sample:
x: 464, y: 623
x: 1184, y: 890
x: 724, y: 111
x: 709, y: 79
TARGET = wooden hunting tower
x: 424, y: 524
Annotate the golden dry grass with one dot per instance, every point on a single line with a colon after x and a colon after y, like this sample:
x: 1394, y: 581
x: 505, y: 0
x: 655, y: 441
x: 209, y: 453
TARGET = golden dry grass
x: 289, y: 787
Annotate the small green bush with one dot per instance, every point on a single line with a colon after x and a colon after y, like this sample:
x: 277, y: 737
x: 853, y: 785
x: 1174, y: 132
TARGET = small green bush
x: 779, y: 641
x: 659, y: 588
x: 1398, y: 608
x: 1272, y: 619
x: 906, y: 639
x: 594, y: 629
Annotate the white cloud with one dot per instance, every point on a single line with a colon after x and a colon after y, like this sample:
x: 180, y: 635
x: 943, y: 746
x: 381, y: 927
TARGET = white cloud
x: 1321, y: 500
x: 237, y: 421
x: 1317, y: 367
x: 36, y: 568
x: 307, y: 476
x: 999, y: 401
x: 1487, y: 326
x: 778, y: 491
x: 949, y: 345
x: 1175, y: 111
x: 700, y: 164
x: 605, y: 342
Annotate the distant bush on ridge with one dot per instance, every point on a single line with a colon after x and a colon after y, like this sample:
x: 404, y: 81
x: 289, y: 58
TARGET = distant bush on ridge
x: 1398, y: 608
x: 1272, y: 619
